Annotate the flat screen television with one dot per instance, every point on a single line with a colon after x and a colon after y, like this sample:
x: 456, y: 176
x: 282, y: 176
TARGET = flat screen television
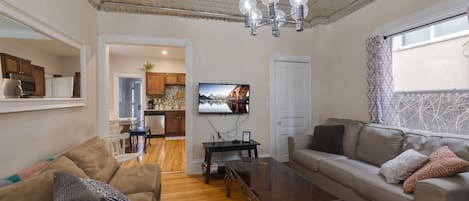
x: 223, y: 98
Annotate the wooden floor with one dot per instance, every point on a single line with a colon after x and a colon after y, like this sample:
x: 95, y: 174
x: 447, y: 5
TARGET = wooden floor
x: 176, y: 185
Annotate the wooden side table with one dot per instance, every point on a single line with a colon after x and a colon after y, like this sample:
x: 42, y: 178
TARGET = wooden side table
x: 211, y: 147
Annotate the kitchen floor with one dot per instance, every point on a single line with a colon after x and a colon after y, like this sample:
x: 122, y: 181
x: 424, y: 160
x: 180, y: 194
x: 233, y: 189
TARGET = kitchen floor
x: 168, y: 153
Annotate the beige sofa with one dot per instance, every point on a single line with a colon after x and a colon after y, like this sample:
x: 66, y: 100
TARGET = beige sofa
x: 355, y: 175
x: 89, y: 160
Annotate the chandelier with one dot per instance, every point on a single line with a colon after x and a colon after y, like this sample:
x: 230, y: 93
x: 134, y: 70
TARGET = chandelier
x: 253, y: 15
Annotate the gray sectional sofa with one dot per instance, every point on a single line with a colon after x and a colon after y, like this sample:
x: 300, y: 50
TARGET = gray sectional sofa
x: 355, y: 176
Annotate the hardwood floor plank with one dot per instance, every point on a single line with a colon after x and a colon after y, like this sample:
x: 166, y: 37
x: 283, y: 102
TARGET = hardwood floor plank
x: 176, y: 185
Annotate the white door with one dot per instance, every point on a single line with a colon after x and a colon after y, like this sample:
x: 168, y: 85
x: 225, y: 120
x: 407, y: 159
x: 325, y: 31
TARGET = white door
x: 291, y: 102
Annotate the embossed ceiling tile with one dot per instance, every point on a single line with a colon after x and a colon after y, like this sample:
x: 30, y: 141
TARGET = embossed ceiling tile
x: 321, y: 11
x: 333, y: 4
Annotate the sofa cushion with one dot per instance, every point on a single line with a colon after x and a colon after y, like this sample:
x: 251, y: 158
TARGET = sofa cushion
x: 350, y: 139
x: 37, y: 187
x: 342, y: 171
x: 328, y: 139
x: 64, y: 164
x: 427, y: 142
x: 69, y: 188
x: 448, y: 188
x: 378, y: 144
x: 310, y: 159
x: 145, y: 196
x: 94, y: 159
x: 374, y: 187
x: 144, y: 178
x: 443, y: 163
x: 401, y: 167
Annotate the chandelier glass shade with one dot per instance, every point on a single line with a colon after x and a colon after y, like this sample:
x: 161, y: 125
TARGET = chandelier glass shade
x: 276, y: 17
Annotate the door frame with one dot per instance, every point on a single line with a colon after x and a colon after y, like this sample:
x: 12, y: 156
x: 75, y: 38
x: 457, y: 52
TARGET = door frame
x: 273, y: 101
x: 116, y: 77
x: 104, y: 40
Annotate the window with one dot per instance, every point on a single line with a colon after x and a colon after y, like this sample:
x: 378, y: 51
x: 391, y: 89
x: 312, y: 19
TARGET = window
x: 434, y: 32
x: 431, y: 58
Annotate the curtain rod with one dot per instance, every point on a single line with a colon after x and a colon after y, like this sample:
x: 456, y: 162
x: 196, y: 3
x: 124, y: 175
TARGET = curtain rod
x: 427, y: 24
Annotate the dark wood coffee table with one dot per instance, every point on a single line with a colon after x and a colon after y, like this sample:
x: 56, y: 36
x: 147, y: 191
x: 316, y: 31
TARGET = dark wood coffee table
x: 266, y: 179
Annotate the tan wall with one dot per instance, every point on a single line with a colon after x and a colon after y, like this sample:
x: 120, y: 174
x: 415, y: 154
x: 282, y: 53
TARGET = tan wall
x: 133, y: 65
x: 436, y: 66
x: 222, y: 52
x: 340, y: 55
x: 28, y: 137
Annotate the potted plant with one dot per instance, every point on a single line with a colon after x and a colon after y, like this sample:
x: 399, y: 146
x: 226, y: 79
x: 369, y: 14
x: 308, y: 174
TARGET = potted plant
x: 148, y: 66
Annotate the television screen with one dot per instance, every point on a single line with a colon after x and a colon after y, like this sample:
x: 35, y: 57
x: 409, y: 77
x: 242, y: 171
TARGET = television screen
x: 223, y: 98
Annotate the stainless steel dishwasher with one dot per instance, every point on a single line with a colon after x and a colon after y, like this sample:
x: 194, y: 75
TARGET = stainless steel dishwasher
x: 155, y: 120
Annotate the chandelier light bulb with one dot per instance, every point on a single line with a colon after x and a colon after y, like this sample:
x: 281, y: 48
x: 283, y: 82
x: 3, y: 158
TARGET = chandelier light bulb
x: 296, y: 3
x: 268, y: 2
x: 245, y: 6
x: 281, y: 18
x: 256, y: 16
x: 294, y: 13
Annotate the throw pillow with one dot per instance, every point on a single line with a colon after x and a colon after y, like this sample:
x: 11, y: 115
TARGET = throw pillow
x: 443, y: 163
x: 401, y: 167
x: 104, y: 190
x: 329, y: 139
x: 69, y: 188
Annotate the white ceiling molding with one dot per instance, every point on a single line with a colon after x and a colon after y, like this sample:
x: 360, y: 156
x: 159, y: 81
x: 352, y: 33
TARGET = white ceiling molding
x: 320, y: 11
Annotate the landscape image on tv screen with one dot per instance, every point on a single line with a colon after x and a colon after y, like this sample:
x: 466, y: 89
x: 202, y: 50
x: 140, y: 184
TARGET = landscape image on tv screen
x: 223, y: 98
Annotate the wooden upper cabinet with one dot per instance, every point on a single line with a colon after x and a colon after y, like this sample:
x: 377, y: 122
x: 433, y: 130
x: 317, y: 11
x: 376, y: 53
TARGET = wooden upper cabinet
x: 175, y: 78
x: 25, y: 67
x: 39, y: 80
x: 171, y: 78
x: 155, y: 84
x: 182, y: 78
x: 12, y: 64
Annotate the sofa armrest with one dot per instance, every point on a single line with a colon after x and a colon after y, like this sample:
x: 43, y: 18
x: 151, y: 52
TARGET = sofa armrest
x: 454, y: 188
x: 137, y: 179
x: 298, y: 142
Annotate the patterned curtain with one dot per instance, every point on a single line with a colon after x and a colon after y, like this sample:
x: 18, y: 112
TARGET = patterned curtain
x: 381, y: 104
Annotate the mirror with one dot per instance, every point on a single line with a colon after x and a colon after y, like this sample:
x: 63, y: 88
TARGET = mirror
x: 35, y: 65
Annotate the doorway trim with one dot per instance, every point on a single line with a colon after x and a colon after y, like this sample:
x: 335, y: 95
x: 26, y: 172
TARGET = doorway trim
x: 272, y: 100
x: 104, y: 41
x: 116, y: 77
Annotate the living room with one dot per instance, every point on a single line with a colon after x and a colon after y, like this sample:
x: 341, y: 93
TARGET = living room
x: 218, y: 50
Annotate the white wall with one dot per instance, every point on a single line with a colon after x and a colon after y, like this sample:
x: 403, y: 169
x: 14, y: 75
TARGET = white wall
x: 222, y: 52
x: 435, y: 66
x: 342, y: 58
x: 28, y: 137
x: 132, y: 65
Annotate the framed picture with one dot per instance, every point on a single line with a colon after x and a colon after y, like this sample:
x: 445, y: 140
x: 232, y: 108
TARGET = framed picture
x: 246, y: 136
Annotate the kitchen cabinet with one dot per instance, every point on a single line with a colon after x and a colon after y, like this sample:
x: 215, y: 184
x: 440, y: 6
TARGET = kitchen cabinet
x: 77, y: 85
x: 39, y: 80
x: 155, y: 84
x: 25, y: 67
x: 12, y: 64
x: 175, y: 123
x: 171, y: 78
x: 175, y: 79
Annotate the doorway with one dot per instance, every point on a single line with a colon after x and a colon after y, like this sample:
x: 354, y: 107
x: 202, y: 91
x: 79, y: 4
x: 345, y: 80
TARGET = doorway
x: 105, y: 42
x: 130, y: 101
x: 290, y: 98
